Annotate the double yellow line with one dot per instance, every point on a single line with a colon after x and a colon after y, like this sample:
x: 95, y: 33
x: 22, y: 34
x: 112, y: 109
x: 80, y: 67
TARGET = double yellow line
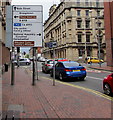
x: 83, y: 88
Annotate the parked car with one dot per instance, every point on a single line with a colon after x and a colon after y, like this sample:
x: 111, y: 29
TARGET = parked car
x: 31, y: 59
x: 23, y: 61
x: 41, y: 59
x: 47, y: 66
x: 69, y: 69
x: 94, y: 60
x: 108, y: 84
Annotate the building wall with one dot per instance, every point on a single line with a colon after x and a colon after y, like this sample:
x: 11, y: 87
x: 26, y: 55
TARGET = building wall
x: 108, y: 8
x: 61, y: 26
x: 4, y: 51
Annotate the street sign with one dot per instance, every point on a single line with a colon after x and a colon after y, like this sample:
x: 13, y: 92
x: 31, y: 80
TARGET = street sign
x: 54, y: 44
x: 27, y: 25
x: 51, y: 44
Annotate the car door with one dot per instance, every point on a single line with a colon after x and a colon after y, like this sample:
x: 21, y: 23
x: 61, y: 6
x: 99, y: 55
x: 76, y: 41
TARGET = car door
x: 96, y: 60
x: 56, y: 69
x: 59, y: 68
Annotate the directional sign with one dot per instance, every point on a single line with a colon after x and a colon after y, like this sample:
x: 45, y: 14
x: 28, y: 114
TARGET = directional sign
x: 27, y: 25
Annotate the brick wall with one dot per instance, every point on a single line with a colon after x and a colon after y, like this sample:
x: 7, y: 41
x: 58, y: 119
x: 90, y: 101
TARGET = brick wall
x: 108, y: 17
x: 5, y: 55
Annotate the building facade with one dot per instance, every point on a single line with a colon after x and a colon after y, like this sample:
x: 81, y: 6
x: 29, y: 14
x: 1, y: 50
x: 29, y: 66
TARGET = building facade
x: 75, y: 26
x: 108, y: 8
x: 4, y: 51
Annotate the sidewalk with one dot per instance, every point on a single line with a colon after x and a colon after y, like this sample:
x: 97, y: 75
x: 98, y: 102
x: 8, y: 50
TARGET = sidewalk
x: 103, y: 67
x: 47, y: 101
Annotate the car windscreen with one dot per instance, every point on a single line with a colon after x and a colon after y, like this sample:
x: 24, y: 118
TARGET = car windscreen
x: 23, y: 60
x: 71, y: 64
x: 51, y: 62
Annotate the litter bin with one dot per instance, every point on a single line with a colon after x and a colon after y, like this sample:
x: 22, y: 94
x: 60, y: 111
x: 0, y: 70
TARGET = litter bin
x: 6, y: 67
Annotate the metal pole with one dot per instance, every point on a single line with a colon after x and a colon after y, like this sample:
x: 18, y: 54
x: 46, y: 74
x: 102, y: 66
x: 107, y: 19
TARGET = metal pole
x: 36, y: 64
x: 54, y: 67
x: 99, y: 49
x: 12, y: 67
x: 85, y: 41
x: 33, y: 80
x: 98, y: 37
x: 18, y: 53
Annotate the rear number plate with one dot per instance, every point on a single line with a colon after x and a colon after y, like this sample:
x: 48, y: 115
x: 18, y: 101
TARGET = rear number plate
x: 75, y: 70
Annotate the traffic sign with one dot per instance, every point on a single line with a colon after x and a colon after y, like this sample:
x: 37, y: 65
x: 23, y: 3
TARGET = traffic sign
x: 27, y: 25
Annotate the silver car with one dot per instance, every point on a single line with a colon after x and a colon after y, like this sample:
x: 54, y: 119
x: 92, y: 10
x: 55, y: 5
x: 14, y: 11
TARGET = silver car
x: 23, y: 61
x: 47, y: 66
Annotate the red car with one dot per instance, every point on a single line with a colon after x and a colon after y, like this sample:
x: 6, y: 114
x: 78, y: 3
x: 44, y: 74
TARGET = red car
x: 108, y: 84
x: 61, y: 59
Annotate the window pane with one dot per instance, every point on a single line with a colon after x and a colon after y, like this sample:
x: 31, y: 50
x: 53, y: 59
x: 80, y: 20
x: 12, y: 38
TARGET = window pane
x: 78, y: 24
x: 79, y: 38
x: 80, y: 52
x: 87, y: 24
x: 87, y: 38
x: 87, y: 12
x: 78, y: 12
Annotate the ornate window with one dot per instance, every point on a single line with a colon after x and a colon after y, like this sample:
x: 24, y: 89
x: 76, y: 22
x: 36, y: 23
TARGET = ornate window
x: 87, y: 24
x: 78, y: 2
x: 79, y: 37
x: 86, y: 3
x: 79, y: 22
x: 80, y: 52
x: 87, y: 12
x: 97, y: 3
x: 78, y: 12
x: 88, y: 35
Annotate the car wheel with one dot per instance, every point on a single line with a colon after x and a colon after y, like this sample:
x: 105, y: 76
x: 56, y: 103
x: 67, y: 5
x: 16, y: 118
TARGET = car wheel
x: 43, y: 70
x: 82, y: 78
x: 107, y: 89
x: 27, y: 63
x: 61, y: 76
x: 51, y: 73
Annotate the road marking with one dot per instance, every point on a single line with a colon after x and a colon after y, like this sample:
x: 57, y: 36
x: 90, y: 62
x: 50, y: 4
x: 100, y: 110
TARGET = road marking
x: 83, y: 88
x: 96, y: 71
x: 94, y: 78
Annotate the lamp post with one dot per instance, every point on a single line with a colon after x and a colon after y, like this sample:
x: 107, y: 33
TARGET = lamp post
x: 90, y: 11
x: 98, y: 37
x: 85, y: 51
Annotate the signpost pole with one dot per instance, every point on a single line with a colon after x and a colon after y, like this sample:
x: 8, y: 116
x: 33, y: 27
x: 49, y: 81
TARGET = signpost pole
x: 54, y: 67
x: 36, y: 63
x: 33, y: 81
x: 12, y: 67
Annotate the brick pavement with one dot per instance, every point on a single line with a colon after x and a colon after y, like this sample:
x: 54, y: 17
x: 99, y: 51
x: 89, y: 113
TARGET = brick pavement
x: 47, y: 101
x: 103, y: 67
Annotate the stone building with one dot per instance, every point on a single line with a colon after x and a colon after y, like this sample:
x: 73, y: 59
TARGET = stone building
x: 4, y: 51
x: 77, y: 27
x: 109, y: 32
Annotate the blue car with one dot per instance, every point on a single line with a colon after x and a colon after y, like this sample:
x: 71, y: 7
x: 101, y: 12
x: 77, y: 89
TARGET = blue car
x: 69, y: 69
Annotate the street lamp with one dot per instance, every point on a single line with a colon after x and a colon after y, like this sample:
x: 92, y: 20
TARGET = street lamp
x: 90, y: 11
x: 98, y: 36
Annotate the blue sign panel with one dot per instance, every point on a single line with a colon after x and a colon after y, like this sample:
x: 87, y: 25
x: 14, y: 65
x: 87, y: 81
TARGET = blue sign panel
x: 17, y: 24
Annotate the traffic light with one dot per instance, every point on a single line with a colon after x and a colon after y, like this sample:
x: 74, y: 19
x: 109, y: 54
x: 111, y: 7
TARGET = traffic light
x: 24, y: 52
